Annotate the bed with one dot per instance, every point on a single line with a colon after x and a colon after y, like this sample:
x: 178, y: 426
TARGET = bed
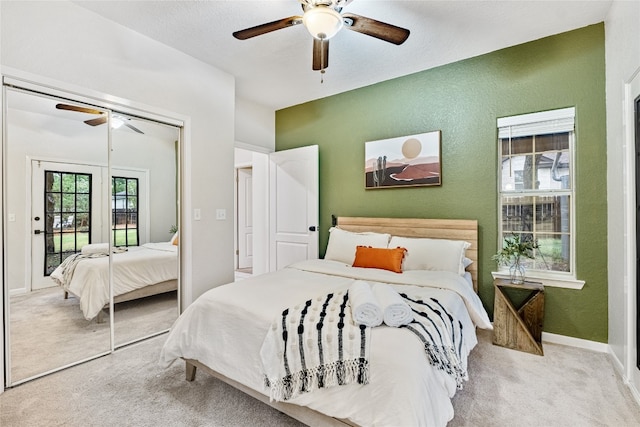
x: 138, y: 272
x: 228, y: 331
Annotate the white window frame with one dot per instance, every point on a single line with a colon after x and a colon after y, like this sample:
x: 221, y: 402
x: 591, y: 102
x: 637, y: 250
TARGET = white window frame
x: 544, y: 122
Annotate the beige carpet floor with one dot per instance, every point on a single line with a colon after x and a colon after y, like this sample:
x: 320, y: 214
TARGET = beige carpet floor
x: 507, y: 388
x: 48, y: 331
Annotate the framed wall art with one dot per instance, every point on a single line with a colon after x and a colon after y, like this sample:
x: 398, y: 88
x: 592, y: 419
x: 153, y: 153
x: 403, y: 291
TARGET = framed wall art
x: 406, y: 161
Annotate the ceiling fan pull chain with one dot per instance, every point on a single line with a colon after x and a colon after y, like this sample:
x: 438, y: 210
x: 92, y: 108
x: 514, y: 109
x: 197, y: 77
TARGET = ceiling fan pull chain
x: 322, y: 42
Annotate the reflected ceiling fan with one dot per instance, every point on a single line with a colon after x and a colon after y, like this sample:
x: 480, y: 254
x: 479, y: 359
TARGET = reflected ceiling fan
x: 323, y: 19
x: 116, y: 121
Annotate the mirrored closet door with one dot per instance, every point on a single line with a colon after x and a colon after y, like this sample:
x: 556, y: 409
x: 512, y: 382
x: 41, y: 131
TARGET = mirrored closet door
x: 144, y: 172
x: 54, y: 167
x: 90, y: 215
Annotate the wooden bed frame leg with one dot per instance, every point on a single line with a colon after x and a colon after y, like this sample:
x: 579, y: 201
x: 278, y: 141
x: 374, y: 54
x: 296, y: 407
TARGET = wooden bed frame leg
x: 66, y: 295
x: 190, y: 371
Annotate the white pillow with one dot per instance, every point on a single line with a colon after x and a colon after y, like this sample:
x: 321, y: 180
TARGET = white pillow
x: 342, y: 243
x: 432, y: 254
x: 95, y: 248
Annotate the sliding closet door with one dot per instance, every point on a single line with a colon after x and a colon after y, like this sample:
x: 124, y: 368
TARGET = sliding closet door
x: 144, y: 220
x: 55, y: 163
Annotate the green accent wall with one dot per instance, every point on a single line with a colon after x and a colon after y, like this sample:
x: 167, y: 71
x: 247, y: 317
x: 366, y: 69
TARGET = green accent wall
x: 463, y: 100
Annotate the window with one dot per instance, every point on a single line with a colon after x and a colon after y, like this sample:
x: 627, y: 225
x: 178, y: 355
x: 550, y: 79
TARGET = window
x: 124, y: 211
x: 536, y: 192
x: 67, y: 201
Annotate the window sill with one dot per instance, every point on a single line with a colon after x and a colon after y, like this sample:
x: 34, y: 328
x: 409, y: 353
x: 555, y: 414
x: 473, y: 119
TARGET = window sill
x: 553, y: 282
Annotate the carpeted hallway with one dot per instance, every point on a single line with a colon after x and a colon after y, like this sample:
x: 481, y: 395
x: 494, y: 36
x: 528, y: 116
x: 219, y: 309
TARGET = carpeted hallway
x: 566, y: 387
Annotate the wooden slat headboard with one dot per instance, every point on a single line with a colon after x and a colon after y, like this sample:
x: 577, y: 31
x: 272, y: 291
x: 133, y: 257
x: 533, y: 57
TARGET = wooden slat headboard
x: 452, y: 229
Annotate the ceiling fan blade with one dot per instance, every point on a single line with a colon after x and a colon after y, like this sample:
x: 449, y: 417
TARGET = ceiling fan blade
x: 97, y: 121
x: 320, y: 54
x: 78, y: 109
x: 371, y: 27
x: 132, y: 127
x: 267, y: 28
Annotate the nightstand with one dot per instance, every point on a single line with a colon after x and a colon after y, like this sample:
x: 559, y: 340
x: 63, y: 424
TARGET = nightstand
x: 519, y: 328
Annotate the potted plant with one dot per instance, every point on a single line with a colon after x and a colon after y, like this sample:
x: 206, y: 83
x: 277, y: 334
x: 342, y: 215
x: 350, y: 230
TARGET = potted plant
x: 512, y: 254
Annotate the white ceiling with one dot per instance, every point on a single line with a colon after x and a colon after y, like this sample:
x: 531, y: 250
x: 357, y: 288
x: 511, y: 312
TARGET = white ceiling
x: 275, y: 69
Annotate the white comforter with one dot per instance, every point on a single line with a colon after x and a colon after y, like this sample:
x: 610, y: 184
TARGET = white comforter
x: 136, y: 268
x: 225, y: 329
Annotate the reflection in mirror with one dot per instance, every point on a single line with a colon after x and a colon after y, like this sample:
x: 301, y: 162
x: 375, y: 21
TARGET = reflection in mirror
x: 55, y: 163
x: 144, y: 195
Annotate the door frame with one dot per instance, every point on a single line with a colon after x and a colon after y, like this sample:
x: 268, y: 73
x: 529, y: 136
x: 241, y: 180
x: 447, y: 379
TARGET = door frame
x: 631, y: 371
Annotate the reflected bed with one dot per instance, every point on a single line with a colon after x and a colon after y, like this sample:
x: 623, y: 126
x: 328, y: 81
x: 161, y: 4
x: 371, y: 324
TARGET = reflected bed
x: 138, y: 272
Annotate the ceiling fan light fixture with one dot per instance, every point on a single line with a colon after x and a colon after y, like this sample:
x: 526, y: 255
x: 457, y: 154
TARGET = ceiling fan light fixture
x: 116, y: 122
x: 322, y: 22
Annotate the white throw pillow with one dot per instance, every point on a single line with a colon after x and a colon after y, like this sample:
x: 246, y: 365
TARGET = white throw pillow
x: 342, y: 243
x: 432, y: 254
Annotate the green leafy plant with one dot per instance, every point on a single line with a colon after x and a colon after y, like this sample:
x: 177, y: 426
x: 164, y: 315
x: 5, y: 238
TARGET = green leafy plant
x: 514, y: 249
x: 173, y: 229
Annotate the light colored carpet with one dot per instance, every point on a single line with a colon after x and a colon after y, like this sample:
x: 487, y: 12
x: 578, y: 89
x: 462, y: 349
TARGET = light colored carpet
x: 48, y: 331
x: 566, y: 387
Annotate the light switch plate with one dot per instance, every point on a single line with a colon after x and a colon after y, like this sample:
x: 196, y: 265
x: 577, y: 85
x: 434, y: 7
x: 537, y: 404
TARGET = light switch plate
x: 197, y: 215
x: 221, y: 214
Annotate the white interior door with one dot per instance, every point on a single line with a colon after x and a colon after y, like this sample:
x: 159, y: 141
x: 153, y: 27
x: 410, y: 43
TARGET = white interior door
x: 293, y: 206
x: 245, y: 218
x: 66, y: 213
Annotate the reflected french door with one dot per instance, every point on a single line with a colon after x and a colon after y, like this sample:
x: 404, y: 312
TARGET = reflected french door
x: 66, y: 211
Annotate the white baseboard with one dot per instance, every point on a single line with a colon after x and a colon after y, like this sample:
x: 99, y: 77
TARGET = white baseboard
x: 619, y: 367
x: 575, y: 342
x: 18, y: 291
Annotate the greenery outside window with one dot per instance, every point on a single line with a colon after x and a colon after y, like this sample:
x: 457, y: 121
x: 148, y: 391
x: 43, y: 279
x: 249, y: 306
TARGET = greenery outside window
x: 536, y: 188
x: 124, y: 211
x: 67, y: 200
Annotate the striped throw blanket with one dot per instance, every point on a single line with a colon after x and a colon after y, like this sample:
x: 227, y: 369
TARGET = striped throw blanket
x: 317, y: 345
x: 441, y: 335
x: 63, y: 274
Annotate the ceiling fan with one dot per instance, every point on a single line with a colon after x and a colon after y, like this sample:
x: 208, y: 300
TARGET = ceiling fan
x: 323, y: 19
x: 116, y: 121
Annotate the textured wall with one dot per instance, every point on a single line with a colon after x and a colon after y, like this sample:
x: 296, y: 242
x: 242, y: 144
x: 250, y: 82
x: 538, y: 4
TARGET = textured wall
x: 463, y: 100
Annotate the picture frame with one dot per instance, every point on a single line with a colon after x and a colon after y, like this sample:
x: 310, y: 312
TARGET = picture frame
x: 406, y: 161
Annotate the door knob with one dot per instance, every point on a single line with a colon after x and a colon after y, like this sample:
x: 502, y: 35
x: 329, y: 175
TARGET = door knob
x: 312, y: 228
x: 37, y: 231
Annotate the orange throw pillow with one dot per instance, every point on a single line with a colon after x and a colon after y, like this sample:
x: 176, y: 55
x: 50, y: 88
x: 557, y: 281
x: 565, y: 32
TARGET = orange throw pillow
x: 386, y: 259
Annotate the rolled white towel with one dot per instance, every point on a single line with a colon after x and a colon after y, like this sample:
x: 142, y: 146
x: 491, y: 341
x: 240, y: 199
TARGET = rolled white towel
x: 395, y: 310
x: 365, y: 309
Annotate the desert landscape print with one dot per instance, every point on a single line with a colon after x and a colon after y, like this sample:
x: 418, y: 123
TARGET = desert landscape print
x: 405, y: 161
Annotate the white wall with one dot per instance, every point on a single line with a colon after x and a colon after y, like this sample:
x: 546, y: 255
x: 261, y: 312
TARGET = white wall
x: 66, y: 43
x: 622, y: 45
x: 255, y: 126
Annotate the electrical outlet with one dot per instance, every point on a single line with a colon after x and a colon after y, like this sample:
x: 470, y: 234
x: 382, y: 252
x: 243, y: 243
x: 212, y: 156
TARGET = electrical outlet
x: 221, y: 214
